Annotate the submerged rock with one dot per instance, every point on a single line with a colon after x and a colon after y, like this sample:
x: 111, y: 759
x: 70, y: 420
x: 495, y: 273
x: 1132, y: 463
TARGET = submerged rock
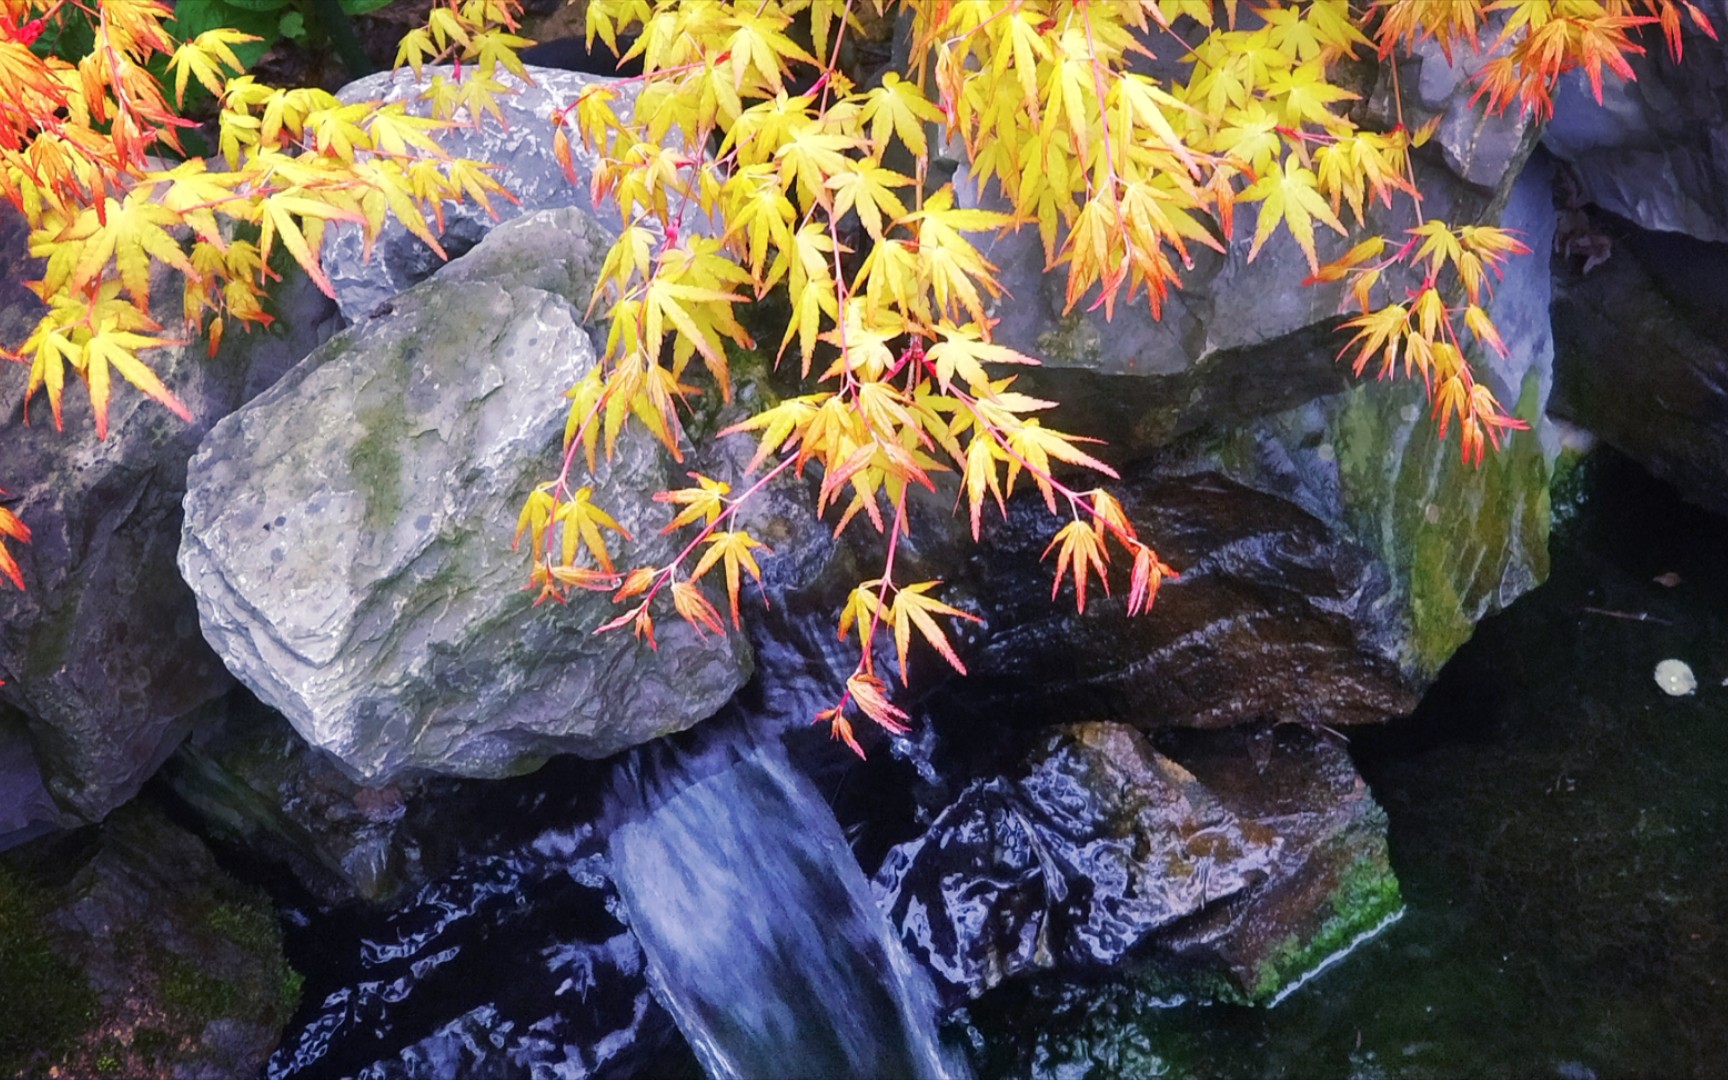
x: 101, y: 654
x: 348, y: 534
x: 127, y: 952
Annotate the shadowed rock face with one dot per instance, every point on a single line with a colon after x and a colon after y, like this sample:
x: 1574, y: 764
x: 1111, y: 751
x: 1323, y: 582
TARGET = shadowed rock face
x: 1642, y: 362
x: 101, y: 654
x: 1274, y: 616
x: 348, y: 534
x: 1656, y: 150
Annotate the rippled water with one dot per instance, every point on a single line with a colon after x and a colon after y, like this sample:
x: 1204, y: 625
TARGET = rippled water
x: 1558, y: 826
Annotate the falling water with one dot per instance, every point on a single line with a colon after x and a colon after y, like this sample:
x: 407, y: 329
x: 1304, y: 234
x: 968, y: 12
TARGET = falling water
x: 759, y: 928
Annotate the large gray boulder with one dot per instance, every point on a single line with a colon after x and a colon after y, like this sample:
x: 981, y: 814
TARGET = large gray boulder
x: 348, y: 535
x: 101, y: 654
x: 1656, y: 150
x: 519, y: 145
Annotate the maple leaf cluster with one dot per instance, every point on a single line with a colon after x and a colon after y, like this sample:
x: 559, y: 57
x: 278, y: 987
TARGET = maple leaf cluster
x: 91, y: 155
x: 745, y: 116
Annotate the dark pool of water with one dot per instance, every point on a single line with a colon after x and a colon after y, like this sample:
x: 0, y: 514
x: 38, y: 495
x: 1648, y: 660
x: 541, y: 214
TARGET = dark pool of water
x: 1558, y: 826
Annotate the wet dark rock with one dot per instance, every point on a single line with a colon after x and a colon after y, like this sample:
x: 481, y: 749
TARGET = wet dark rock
x: 348, y: 534
x: 1331, y: 881
x: 127, y: 952
x: 1275, y: 616
x: 517, y: 965
x: 1641, y: 360
x: 520, y: 145
x: 101, y: 654
x: 1654, y: 152
x: 1073, y: 866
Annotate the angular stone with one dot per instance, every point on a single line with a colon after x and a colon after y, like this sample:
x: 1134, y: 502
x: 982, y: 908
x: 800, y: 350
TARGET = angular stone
x: 520, y: 146
x: 1100, y: 845
x: 348, y: 535
x: 101, y: 654
x: 1655, y: 150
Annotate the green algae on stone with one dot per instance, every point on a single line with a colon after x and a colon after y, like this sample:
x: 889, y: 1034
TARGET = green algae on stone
x: 1366, y: 897
x: 375, y: 461
x: 1461, y: 538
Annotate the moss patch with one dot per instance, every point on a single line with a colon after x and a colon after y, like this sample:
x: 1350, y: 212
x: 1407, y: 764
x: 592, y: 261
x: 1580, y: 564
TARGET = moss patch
x: 1367, y: 895
x: 45, y: 1002
x: 376, y: 463
x: 1456, y: 535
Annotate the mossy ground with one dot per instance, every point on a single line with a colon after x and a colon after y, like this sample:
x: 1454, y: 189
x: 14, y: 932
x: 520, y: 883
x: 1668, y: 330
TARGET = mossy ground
x: 45, y: 1002
x: 112, y: 966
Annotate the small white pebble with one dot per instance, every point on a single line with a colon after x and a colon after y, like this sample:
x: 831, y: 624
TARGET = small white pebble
x: 1676, y: 678
x: 1326, y: 453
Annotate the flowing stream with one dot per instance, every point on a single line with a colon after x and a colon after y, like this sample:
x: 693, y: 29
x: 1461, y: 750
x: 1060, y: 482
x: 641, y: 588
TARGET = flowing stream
x: 726, y: 886
x: 760, y: 930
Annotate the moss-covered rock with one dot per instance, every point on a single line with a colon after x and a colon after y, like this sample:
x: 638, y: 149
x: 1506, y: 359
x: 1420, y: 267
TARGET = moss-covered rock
x: 348, y: 534
x: 128, y: 952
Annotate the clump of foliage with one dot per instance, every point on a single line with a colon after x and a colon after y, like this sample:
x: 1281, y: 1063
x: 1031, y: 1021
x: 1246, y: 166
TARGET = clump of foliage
x: 87, y: 144
x: 745, y: 115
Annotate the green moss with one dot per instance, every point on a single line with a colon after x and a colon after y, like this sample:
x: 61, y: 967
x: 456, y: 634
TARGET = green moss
x: 45, y: 1002
x: 1453, y: 533
x: 376, y: 463
x: 1366, y: 896
x: 46, y: 652
x: 1074, y: 343
x: 1570, y: 486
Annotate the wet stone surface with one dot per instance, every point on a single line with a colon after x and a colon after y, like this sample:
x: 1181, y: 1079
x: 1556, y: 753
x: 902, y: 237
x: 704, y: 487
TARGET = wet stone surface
x: 1073, y: 865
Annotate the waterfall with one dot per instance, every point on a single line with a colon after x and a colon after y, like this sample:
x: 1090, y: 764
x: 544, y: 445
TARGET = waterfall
x: 728, y: 895
x: 758, y: 926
